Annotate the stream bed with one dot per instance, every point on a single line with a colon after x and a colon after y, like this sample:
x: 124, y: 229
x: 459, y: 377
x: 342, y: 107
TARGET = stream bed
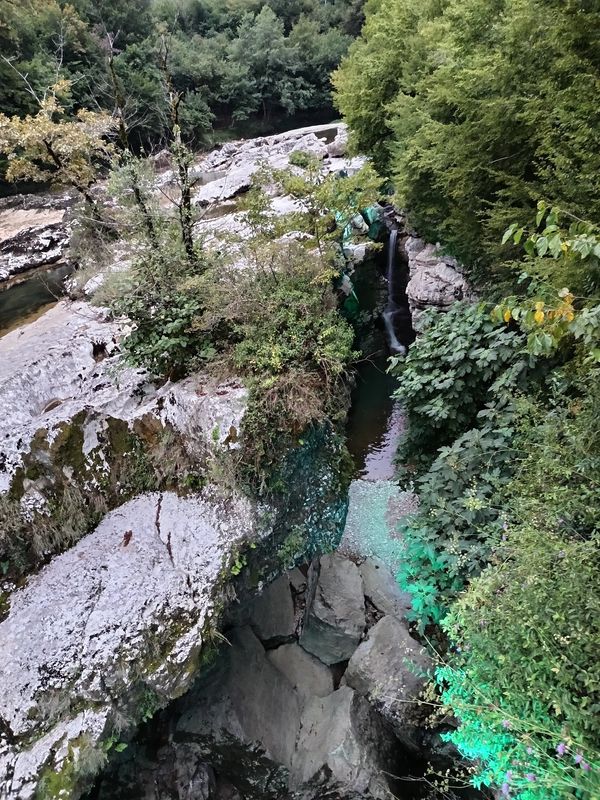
x: 26, y: 301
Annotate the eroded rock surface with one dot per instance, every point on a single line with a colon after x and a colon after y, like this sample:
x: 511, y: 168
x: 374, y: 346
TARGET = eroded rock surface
x: 113, y: 625
x: 34, y: 233
x: 436, y: 281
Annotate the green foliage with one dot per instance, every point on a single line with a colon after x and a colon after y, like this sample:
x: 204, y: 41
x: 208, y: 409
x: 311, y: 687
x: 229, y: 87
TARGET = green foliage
x: 477, y: 108
x: 230, y: 60
x: 457, y: 365
x: 450, y: 538
x: 522, y: 676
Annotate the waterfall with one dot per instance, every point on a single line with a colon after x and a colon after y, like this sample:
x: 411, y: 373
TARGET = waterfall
x: 396, y: 308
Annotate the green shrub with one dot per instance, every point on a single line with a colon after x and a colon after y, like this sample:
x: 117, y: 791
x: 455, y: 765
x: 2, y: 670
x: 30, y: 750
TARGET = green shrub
x: 450, y: 374
x: 522, y: 676
x: 450, y: 538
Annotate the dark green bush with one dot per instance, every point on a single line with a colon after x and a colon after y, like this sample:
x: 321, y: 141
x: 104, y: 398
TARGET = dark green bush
x: 450, y: 374
x: 523, y: 673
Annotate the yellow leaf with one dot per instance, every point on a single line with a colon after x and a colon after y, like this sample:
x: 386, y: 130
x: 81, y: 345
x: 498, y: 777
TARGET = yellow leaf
x: 507, y: 315
x: 539, y: 317
x: 539, y: 306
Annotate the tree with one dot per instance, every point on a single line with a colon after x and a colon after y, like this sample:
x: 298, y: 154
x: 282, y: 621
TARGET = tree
x: 270, y: 64
x: 50, y: 147
x: 478, y: 108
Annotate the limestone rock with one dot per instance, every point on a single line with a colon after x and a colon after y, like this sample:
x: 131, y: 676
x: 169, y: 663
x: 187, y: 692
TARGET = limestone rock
x: 436, y: 281
x: 33, y: 232
x: 308, y: 676
x: 382, y: 589
x: 339, y: 145
x: 65, y: 366
x: 114, y: 623
x: 342, y: 750
x: 390, y: 669
x: 336, y: 616
x: 271, y: 614
x: 245, y: 716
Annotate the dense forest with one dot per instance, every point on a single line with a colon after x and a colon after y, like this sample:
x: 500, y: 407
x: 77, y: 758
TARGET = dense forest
x: 235, y: 61
x: 485, y: 115
x: 481, y: 119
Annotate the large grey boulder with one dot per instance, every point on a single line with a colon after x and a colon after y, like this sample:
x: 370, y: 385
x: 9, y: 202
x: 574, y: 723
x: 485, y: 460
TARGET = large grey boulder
x: 245, y: 717
x: 112, y: 626
x: 271, y: 613
x: 343, y: 750
x: 390, y: 669
x: 339, y: 145
x: 335, y: 619
x: 382, y: 590
x: 436, y: 281
x: 308, y: 676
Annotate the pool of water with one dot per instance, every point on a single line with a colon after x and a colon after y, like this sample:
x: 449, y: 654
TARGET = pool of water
x: 29, y: 299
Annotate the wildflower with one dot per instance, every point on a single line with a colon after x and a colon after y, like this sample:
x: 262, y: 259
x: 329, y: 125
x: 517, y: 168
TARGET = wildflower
x: 561, y: 749
x: 585, y: 766
x: 578, y: 758
x: 505, y: 723
x: 530, y: 750
x: 530, y: 777
x: 505, y: 789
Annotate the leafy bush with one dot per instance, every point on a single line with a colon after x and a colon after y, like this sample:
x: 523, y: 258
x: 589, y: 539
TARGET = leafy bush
x: 450, y: 374
x: 523, y: 677
x: 450, y: 538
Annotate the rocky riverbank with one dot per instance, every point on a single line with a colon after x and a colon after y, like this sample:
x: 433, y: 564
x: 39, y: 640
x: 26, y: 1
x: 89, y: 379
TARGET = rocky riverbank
x: 130, y: 552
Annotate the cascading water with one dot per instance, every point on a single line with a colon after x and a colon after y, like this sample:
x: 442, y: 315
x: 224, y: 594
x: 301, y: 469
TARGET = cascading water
x: 396, y: 315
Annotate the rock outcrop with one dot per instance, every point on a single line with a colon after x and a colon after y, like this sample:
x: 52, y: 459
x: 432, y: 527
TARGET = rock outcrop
x: 111, y: 631
x: 34, y: 233
x: 272, y: 719
x: 436, y: 281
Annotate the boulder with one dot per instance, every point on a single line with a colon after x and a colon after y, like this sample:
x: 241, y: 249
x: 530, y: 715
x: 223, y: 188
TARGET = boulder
x: 307, y: 675
x: 338, y: 147
x: 271, y: 613
x: 436, y: 281
x: 382, y: 590
x: 390, y: 669
x: 110, y: 627
x: 245, y: 717
x: 335, y: 619
x: 343, y: 750
x: 312, y: 145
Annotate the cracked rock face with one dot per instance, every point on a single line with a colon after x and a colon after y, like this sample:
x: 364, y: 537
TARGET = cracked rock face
x: 33, y: 233
x: 114, y: 623
x: 436, y: 281
x: 66, y: 366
